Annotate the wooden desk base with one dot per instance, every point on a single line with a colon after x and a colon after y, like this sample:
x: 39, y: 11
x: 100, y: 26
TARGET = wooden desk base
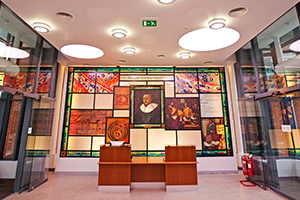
x: 148, y: 172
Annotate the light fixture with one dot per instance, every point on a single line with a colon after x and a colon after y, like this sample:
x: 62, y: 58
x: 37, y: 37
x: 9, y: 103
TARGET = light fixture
x: 119, y: 33
x: 165, y: 1
x: 41, y: 27
x: 12, y: 52
x: 129, y: 50
x: 185, y: 55
x: 295, y: 46
x: 217, y: 23
x: 206, y: 39
x: 82, y: 51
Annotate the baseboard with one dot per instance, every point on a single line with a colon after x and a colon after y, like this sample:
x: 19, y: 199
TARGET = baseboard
x: 219, y: 172
x: 181, y: 188
x: 75, y: 173
x: 109, y: 188
x: 152, y: 185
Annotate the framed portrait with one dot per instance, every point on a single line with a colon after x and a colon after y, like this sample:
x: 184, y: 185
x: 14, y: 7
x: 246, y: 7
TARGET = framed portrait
x: 147, y: 107
x: 121, y: 98
x: 182, y: 114
x: 213, y: 133
x: 117, y: 129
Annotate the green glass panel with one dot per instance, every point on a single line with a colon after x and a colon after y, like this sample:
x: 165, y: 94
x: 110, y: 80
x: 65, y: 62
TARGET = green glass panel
x: 70, y: 82
x: 213, y: 70
x: 225, y: 116
x: 84, y: 69
x: 33, y: 153
x: 181, y: 70
x: 222, y: 82
x: 133, y: 70
x: 68, y: 116
x: 214, y: 152
x: 297, y: 151
x: 96, y: 154
x: 148, y: 88
x: 65, y: 137
x: 139, y: 153
x: 156, y: 154
x: 160, y: 70
x: 199, y: 153
x: 69, y: 100
x: 79, y: 153
x: 106, y: 69
x: 224, y: 99
x: 227, y: 137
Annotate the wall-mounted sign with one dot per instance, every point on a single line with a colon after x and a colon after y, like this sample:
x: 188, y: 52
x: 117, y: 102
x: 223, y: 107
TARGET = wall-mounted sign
x: 149, y: 23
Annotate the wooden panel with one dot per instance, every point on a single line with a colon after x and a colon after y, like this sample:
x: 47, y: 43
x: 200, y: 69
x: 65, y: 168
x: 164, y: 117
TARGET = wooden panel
x: 115, y: 154
x: 114, y: 174
x: 180, y: 153
x: 147, y: 160
x: 148, y: 173
x: 181, y: 174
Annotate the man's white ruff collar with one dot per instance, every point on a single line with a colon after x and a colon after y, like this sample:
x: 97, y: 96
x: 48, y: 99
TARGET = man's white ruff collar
x: 149, y: 108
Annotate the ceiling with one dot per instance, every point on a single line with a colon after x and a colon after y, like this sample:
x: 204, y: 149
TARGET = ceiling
x: 94, y: 20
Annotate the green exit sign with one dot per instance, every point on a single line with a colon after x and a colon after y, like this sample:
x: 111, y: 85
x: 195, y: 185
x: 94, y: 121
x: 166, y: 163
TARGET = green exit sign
x: 151, y: 23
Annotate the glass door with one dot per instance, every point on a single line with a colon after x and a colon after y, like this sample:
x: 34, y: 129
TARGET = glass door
x: 281, y: 119
x: 32, y: 169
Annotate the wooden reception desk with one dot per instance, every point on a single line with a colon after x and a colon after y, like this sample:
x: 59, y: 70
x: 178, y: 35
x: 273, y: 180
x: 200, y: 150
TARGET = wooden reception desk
x: 177, y: 171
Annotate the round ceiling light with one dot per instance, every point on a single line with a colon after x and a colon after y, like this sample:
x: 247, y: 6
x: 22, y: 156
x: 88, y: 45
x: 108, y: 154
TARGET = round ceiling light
x: 129, y: 50
x: 217, y: 23
x: 207, y: 39
x: 41, y: 27
x: 119, y: 33
x: 185, y: 55
x: 12, y: 52
x: 295, y: 46
x: 82, y: 51
x: 165, y: 1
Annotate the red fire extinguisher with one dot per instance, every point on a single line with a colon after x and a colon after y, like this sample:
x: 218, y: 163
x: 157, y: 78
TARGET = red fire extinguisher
x: 250, y: 164
x: 244, y: 164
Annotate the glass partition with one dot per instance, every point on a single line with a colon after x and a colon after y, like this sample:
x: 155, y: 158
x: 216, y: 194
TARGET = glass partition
x: 36, y: 161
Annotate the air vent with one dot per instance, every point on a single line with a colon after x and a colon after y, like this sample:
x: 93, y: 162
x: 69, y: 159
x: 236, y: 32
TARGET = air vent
x: 238, y: 12
x: 121, y: 61
x: 161, y: 56
x: 64, y: 16
x: 207, y: 63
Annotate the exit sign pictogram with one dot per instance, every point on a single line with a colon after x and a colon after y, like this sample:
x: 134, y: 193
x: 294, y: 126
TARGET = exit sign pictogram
x: 149, y: 23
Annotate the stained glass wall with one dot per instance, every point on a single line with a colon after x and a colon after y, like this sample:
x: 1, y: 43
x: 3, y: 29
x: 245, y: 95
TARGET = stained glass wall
x: 147, y: 107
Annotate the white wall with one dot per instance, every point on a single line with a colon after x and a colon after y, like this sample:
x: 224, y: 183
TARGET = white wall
x: 8, y: 169
x: 76, y: 165
x: 288, y: 167
x: 216, y: 164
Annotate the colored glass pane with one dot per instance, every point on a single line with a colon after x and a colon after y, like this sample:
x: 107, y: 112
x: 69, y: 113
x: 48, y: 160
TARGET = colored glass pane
x: 112, y: 70
x: 43, y: 84
x: 213, y: 70
x: 84, y: 82
x: 222, y: 82
x: 179, y: 70
x: 209, y: 82
x: 105, y: 82
x: 133, y: 70
x: 160, y: 70
x: 79, y: 153
x: 186, y: 83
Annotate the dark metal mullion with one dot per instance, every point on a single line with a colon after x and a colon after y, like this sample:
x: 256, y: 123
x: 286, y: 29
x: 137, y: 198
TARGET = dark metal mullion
x: 4, y: 115
x: 22, y: 152
x: 54, y: 71
x: 254, y: 54
x: 39, y: 46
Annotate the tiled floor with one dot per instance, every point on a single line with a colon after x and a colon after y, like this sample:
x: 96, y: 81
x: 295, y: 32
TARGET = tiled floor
x: 82, y: 187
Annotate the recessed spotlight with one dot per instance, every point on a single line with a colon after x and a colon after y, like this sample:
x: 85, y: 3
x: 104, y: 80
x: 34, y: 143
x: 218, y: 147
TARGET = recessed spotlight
x: 165, y: 1
x: 206, y: 39
x: 238, y: 12
x: 185, y: 55
x: 129, y: 50
x: 217, y: 23
x: 82, y: 51
x: 119, y: 33
x: 41, y: 27
x: 12, y: 52
x: 121, y: 61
